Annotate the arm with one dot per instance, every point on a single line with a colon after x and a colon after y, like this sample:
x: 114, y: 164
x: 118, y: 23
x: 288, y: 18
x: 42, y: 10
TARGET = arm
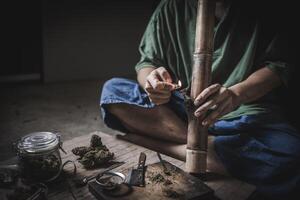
x: 226, y: 100
x: 256, y: 85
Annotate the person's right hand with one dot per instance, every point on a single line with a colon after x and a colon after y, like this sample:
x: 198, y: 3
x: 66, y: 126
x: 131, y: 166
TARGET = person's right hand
x: 159, y: 86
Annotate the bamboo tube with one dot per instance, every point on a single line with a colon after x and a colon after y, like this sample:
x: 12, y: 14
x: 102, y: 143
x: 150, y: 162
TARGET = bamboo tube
x: 196, y: 151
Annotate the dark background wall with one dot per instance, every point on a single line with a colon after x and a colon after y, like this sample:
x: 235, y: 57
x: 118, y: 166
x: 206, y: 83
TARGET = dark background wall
x: 92, y: 39
x: 73, y: 39
x: 21, y: 40
x: 88, y: 39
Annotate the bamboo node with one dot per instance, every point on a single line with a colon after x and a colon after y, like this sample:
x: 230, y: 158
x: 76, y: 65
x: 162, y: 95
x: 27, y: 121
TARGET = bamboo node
x: 196, y: 161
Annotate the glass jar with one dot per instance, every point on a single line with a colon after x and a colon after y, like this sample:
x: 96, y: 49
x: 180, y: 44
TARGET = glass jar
x: 39, y: 157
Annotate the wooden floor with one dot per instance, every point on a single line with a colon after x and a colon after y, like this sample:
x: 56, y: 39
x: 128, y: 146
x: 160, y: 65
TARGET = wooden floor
x: 226, y: 188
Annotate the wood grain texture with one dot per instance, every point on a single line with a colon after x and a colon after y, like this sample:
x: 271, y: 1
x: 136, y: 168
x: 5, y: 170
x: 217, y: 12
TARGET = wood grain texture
x: 225, y: 188
x: 186, y: 186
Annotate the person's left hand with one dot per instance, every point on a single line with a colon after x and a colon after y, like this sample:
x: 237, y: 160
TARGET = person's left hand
x: 218, y: 99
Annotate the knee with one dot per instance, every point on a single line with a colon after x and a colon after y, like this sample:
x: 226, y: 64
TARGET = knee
x: 115, y: 88
x: 113, y: 83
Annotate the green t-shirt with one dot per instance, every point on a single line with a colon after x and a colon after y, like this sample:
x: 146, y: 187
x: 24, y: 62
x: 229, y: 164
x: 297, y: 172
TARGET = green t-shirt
x: 243, y: 43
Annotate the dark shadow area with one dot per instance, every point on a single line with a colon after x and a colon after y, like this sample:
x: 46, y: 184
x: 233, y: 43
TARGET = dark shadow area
x: 22, y: 41
x: 76, y: 44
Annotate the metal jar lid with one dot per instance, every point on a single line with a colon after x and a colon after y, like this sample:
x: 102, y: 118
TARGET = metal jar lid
x: 38, y: 142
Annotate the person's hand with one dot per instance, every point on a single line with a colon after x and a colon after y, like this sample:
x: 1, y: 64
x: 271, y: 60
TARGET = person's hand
x: 218, y: 100
x: 159, y: 86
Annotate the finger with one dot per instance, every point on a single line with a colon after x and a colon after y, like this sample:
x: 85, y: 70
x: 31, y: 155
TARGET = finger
x: 204, y: 108
x: 149, y: 90
x: 156, y: 84
x: 159, y: 85
x: 164, y: 75
x: 148, y: 86
x: 212, y: 102
x: 153, y: 79
x: 160, y: 91
x: 206, y: 93
x: 217, y: 113
x: 152, y: 90
x: 159, y: 101
x: 165, y: 86
x: 159, y: 96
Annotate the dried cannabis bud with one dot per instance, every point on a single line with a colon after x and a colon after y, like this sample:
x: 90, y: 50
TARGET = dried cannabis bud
x: 102, y: 157
x: 80, y: 151
x: 94, y: 155
x: 87, y: 162
x: 96, y: 141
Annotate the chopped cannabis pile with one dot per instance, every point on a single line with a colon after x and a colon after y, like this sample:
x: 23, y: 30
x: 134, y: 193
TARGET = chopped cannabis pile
x: 167, y: 182
x: 166, y: 185
x: 95, y: 155
x: 158, y: 178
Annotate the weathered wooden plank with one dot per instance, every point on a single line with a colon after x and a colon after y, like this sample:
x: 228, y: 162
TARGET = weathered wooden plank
x: 186, y: 186
x: 226, y: 188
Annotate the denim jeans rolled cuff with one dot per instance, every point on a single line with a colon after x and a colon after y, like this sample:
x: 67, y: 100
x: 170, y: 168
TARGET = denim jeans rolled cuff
x: 121, y: 90
x: 118, y: 91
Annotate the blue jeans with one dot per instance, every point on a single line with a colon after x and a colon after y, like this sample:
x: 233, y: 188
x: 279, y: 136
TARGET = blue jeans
x: 263, y: 150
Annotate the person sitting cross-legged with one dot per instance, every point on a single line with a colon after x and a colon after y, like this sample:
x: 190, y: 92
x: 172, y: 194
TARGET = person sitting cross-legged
x: 252, y: 140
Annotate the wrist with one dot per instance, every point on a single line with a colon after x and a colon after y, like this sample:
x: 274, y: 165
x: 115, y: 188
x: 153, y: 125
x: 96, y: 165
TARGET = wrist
x: 237, y: 94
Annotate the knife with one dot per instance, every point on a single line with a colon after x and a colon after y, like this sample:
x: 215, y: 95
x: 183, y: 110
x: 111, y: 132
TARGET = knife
x: 136, y: 177
x: 166, y: 170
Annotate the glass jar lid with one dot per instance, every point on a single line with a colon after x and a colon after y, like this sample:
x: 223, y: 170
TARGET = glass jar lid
x: 38, y: 142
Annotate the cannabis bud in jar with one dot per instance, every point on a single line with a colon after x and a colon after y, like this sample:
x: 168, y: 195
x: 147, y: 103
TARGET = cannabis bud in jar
x: 39, y: 156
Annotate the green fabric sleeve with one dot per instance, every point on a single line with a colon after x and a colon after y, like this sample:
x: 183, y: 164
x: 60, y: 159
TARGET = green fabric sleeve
x: 281, y: 69
x: 278, y: 58
x: 151, y: 46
